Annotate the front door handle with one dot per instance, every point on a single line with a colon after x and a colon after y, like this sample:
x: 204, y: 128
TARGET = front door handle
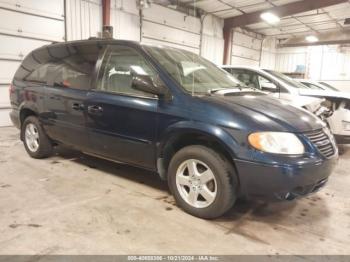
x: 77, y: 106
x: 95, y: 110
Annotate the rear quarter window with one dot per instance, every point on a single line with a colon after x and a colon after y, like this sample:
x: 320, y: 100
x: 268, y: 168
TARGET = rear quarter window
x: 66, y: 66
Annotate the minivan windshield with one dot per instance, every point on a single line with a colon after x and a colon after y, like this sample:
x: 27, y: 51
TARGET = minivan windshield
x: 192, y: 72
x: 286, y: 79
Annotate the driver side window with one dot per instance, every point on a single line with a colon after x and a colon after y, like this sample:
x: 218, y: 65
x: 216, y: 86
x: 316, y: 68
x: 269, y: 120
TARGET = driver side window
x: 247, y: 78
x: 267, y: 85
x: 117, y: 71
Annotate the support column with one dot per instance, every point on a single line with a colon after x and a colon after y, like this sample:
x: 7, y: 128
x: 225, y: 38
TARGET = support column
x: 227, y: 46
x: 107, y: 29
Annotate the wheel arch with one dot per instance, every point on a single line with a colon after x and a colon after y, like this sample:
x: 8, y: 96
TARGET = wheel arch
x: 191, y: 133
x: 25, y: 112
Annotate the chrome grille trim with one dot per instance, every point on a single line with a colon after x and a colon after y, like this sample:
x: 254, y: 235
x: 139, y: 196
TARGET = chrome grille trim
x: 322, y: 141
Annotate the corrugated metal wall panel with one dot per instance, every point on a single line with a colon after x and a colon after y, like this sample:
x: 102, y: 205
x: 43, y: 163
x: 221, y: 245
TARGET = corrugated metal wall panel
x: 84, y: 19
x: 327, y: 63
x: 288, y: 59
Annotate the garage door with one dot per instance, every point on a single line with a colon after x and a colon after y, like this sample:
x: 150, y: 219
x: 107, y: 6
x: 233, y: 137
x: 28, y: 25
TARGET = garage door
x: 246, y: 48
x: 26, y: 25
x: 161, y: 25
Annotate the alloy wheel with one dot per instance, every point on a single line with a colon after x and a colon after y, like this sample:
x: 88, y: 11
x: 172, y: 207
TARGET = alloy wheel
x: 196, y: 183
x: 32, y: 137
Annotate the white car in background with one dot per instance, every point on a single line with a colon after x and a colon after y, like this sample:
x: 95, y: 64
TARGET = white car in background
x: 335, y: 109
x: 317, y: 85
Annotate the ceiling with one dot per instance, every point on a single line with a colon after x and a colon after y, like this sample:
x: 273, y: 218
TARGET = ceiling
x: 317, y: 21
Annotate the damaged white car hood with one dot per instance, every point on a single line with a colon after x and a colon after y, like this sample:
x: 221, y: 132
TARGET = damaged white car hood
x: 323, y: 93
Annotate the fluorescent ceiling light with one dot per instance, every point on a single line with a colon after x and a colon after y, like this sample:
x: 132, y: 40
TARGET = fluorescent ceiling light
x: 270, y: 18
x: 311, y: 39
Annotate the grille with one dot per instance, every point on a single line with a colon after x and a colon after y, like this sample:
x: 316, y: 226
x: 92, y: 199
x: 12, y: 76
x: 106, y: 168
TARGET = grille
x: 322, y: 141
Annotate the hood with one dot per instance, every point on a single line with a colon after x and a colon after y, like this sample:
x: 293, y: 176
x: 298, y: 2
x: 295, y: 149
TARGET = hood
x: 324, y: 93
x: 261, y: 112
x: 311, y: 103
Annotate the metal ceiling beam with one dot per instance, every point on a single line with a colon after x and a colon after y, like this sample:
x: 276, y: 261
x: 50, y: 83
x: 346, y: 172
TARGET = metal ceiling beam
x: 329, y: 38
x: 281, y: 11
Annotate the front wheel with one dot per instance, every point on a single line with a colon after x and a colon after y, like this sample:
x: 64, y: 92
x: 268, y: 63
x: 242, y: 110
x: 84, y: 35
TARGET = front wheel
x: 202, y: 181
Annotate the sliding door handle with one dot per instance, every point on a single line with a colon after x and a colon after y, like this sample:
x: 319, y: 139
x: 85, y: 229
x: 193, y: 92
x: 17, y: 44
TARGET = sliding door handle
x: 77, y: 106
x: 95, y: 110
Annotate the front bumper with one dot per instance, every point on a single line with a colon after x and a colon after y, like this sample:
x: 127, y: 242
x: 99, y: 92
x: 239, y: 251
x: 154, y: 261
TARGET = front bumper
x: 342, y: 139
x: 283, y: 182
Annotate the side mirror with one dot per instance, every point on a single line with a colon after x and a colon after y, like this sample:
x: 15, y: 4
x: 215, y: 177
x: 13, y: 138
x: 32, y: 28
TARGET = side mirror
x: 145, y: 84
x: 267, y: 86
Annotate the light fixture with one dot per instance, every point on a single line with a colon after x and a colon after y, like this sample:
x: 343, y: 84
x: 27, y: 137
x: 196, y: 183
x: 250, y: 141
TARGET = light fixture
x: 270, y: 18
x: 311, y: 39
x: 143, y: 4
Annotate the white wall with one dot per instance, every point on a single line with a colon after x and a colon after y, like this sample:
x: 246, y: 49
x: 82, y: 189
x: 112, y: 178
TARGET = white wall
x: 323, y: 63
x: 288, y: 59
x: 331, y: 64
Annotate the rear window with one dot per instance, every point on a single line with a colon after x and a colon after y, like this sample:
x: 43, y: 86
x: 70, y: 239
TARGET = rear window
x: 69, y: 66
x: 38, y: 75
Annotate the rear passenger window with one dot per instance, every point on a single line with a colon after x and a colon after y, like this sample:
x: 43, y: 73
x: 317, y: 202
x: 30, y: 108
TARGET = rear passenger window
x: 66, y: 66
x: 116, y: 72
x: 39, y: 74
x: 75, y: 70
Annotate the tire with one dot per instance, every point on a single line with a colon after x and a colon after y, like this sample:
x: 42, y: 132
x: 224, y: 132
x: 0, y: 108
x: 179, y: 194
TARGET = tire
x: 36, y: 143
x: 191, y: 192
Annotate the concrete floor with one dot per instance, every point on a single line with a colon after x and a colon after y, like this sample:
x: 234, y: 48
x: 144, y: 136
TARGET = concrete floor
x: 75, y: 204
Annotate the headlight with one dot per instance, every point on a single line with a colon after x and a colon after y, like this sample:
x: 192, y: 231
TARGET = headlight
x: 276, y: 143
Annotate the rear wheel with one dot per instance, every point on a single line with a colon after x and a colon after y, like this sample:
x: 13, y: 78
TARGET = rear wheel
x: 202, y: 181
x: 36, y: 142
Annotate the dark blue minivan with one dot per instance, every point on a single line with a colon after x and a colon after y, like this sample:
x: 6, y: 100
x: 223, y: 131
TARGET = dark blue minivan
x: 162, y: 109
